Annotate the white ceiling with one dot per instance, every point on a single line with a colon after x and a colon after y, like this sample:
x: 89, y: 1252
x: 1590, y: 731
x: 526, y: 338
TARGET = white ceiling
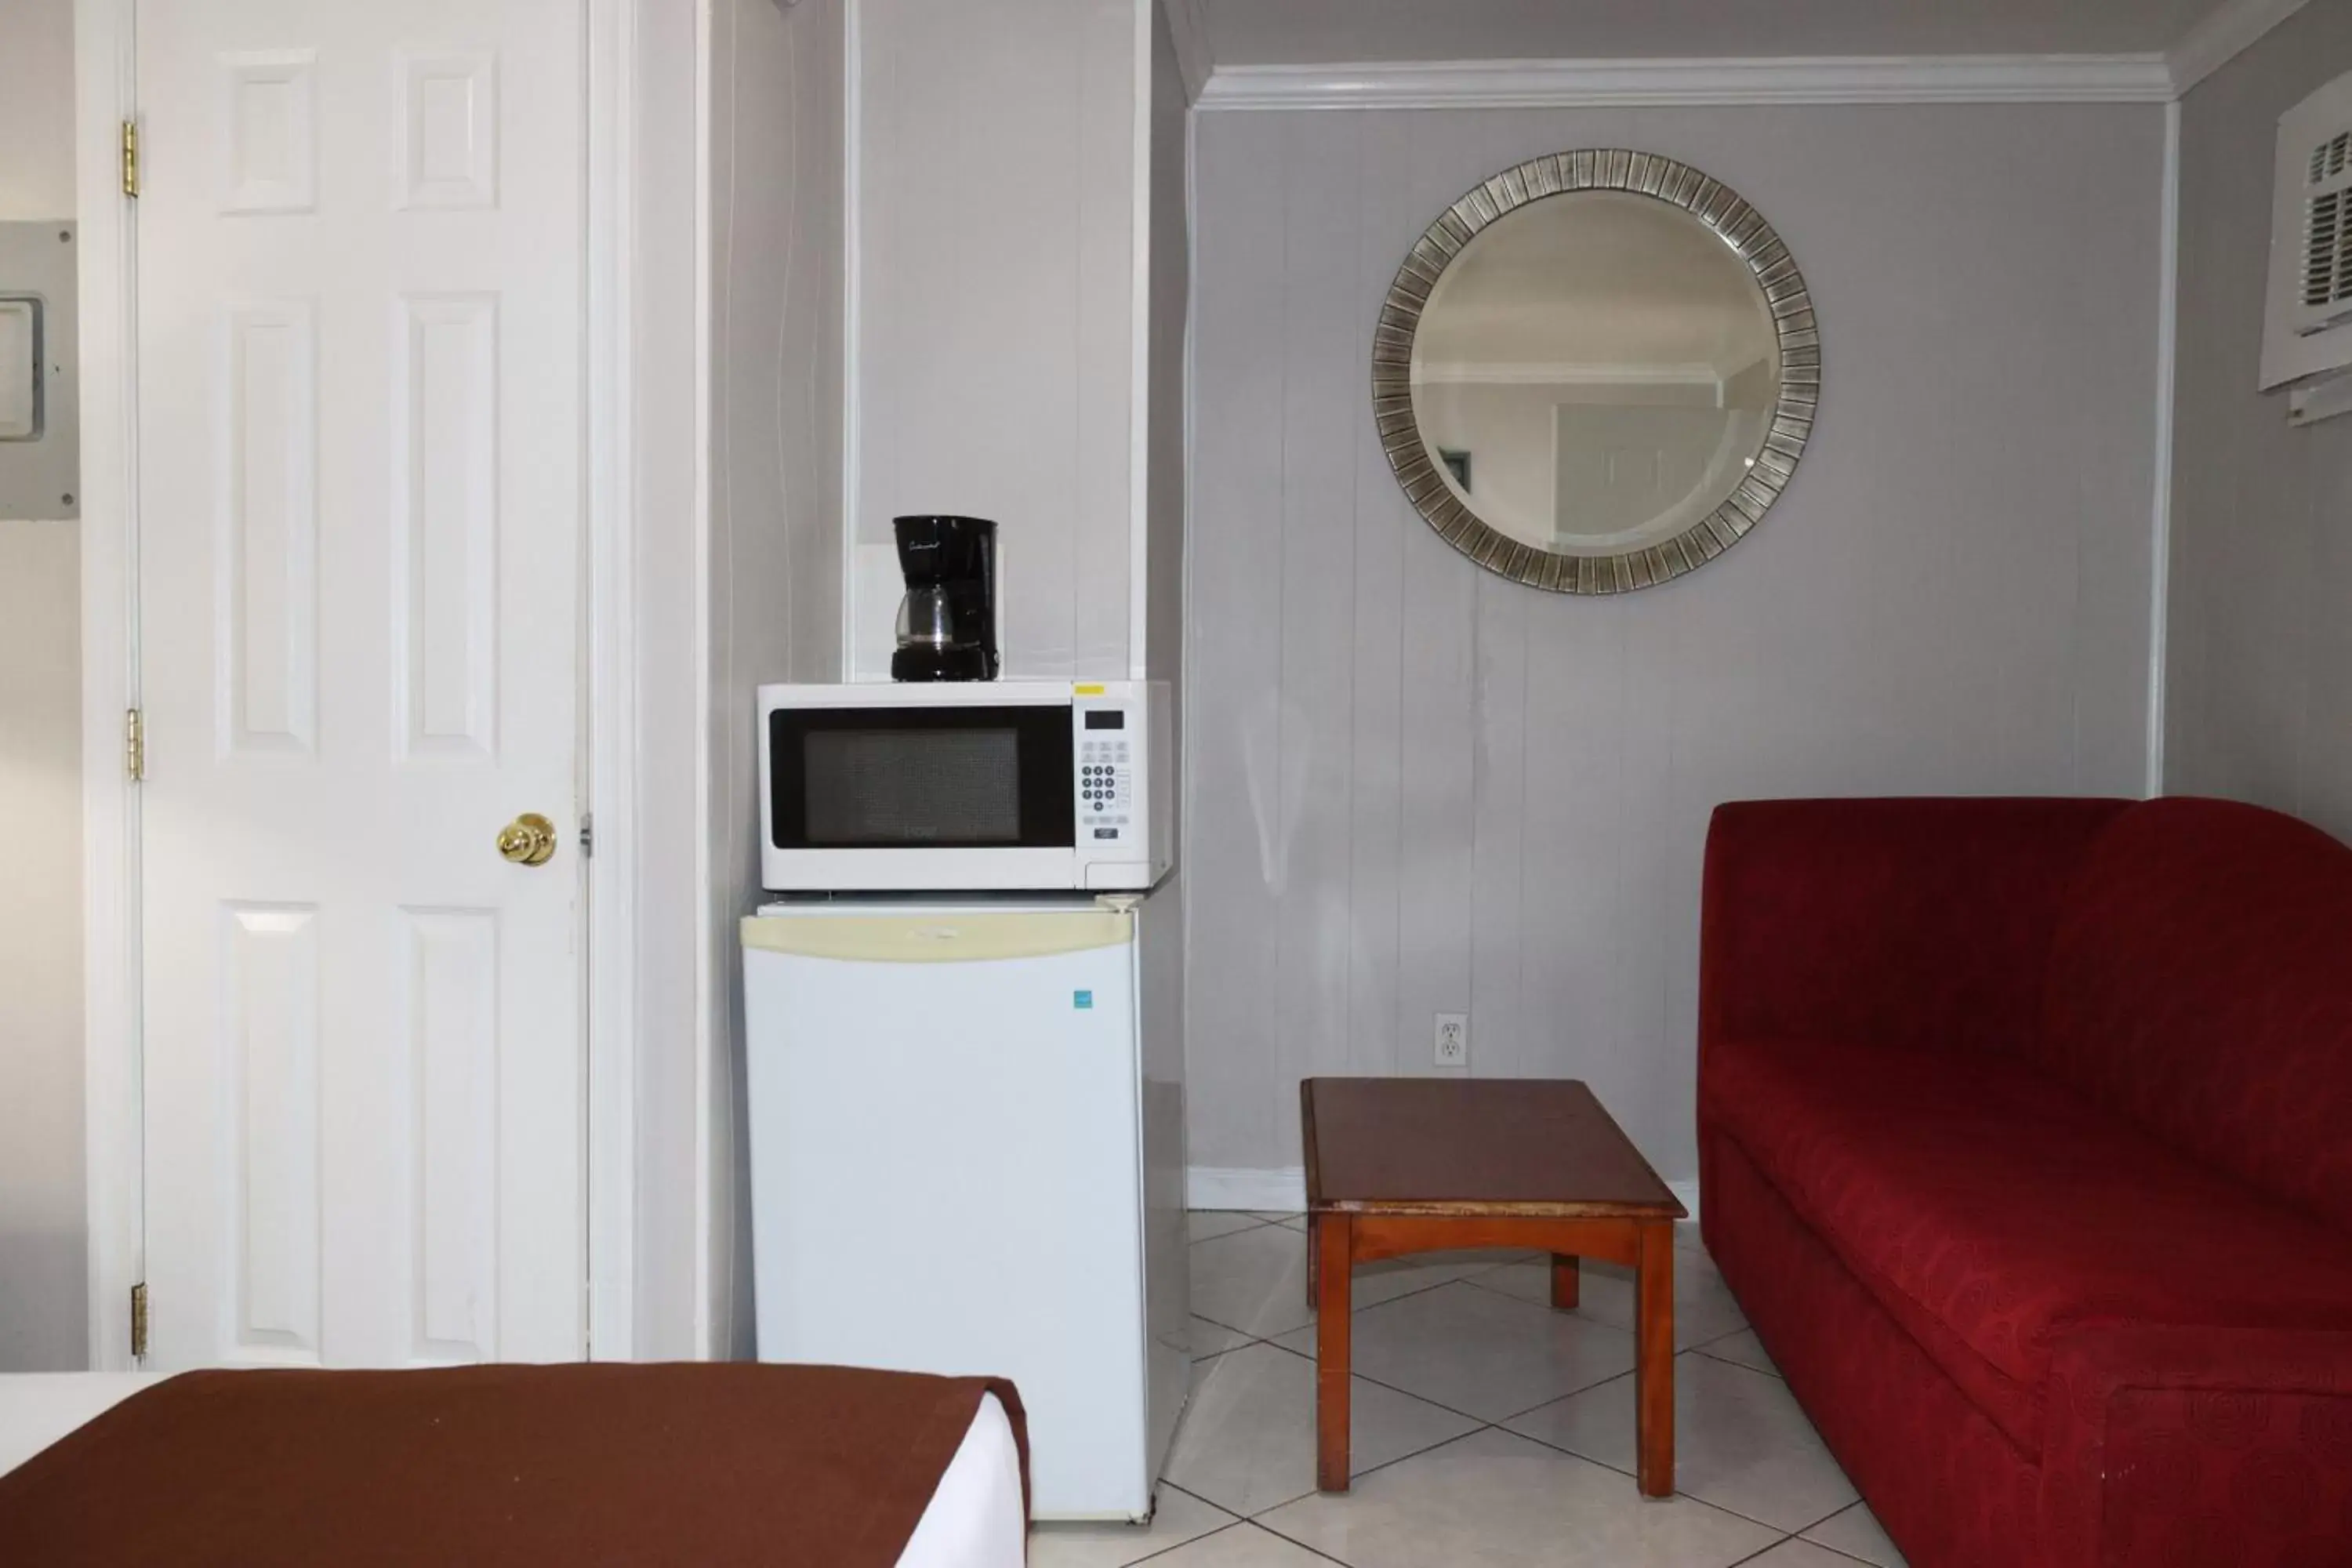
x: 1325, y: 32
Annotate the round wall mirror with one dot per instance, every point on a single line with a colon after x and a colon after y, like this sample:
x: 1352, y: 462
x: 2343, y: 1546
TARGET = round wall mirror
x: 1596, y: 371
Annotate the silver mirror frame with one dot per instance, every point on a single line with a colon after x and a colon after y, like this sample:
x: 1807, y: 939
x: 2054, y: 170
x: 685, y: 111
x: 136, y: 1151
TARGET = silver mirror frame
x: 1739, y: 226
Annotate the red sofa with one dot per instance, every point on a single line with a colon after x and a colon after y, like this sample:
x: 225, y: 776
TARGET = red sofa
x: 2025, y: 1140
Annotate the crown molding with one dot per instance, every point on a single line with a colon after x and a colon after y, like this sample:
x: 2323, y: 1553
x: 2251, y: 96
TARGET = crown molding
x: 1191, y: 40
x: 1569, y: 84
x: 2223, y: 37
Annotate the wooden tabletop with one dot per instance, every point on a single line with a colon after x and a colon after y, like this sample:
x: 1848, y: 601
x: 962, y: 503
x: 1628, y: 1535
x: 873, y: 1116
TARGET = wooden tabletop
x: 1450, y: 1145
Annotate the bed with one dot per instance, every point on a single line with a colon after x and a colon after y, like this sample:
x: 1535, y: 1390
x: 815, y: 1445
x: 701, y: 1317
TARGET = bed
x: 715, y: 1464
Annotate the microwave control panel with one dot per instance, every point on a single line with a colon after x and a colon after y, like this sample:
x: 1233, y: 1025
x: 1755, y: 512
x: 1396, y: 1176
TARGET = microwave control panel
x: 1106, y: 775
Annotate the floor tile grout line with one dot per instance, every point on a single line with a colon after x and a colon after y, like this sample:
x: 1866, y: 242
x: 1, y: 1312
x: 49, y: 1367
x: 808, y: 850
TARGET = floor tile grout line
x: 1407, y: 1295
x: 1310, y: 1550
x: 1481, y: 1277
x: 1276, y: 1341
x: 1196, y: 1497
x: 1228, y: 1327
x: 1757, y: 1555
x: 1456, y: 1410
x: 1231, y: 1517
x: 1254, y: 1224
x: 1727, y: 1360
x: 1392, y: 1388
x: 1837, y: 1513
x: 1233, y: 1523
x: 1571, y: 1393
x: 1786, y: 1535
x: 1744, y: 1328
x: 1800, y: 1535
x: 1369, y: 1307
x: 1693, y: 1496
x: 1754, y: 1370
x: 1355, y: 1476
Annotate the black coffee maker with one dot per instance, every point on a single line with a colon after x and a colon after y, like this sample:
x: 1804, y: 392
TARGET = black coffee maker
x: 947, y: 622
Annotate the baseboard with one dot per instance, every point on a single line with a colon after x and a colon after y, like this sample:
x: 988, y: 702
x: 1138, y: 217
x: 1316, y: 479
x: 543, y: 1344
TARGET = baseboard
x: 1282, y: 1190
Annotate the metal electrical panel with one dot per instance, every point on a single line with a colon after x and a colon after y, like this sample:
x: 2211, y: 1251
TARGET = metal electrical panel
x: 40, y: 402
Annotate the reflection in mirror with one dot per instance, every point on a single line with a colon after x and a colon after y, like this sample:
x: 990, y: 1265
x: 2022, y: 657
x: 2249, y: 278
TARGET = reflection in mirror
x: 1595, y: 373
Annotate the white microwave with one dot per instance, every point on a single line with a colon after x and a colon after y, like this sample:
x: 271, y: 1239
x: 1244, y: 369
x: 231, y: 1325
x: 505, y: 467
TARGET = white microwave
x: 939, y: 786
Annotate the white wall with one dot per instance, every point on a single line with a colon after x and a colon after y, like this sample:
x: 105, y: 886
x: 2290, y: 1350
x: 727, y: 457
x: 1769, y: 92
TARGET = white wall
x: 1168, y: 295
x: 44, y: 1289
x: 37, y: 156
x: 2259, y: 684
x: 1417, y: 787
x: 670, y: 961
x: 995, y: 312
x: 775, y: 465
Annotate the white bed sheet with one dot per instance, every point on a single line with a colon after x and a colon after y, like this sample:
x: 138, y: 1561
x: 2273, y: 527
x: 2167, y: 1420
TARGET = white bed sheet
x: 975, y: 1519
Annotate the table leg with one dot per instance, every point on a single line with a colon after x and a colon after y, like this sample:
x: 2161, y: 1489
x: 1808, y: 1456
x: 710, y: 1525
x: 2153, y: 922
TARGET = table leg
x: 1564, y: 1280
x: 1333, y: 1261
x: 1654, y: 1410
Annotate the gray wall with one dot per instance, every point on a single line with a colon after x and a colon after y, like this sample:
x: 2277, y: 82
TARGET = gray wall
x: 44, y: 1290
x: 995, y: 315
x: 2259, y: 648
x: 670, y: 959
x: 1416, y: 787
x: 776, y: 173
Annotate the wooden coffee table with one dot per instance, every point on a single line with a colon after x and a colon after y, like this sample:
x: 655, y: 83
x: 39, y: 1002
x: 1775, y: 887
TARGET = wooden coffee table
x: 1404, y: 1165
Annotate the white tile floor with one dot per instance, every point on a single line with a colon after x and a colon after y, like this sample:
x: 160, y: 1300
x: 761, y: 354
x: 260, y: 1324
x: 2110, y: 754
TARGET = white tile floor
x: 1487, y: 1427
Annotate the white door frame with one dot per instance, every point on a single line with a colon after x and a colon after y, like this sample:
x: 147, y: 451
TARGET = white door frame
x: 106, y: 95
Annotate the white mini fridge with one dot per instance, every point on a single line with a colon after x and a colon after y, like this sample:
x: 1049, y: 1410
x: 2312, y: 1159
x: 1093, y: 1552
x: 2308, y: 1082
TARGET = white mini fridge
x: 966, y: 1126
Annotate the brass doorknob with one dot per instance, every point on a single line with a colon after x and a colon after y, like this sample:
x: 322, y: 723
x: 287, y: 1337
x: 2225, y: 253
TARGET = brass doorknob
x: 527, y: 840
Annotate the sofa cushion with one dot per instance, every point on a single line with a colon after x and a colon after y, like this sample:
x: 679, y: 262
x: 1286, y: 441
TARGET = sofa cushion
x: 2200, y: 985
x: 1991, y: 1210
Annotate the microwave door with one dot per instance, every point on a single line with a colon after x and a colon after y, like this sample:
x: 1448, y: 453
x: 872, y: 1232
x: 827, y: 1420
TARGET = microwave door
x: 921, y: 797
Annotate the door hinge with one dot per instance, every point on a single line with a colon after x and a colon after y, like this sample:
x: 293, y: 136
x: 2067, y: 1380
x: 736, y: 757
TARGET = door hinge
x: 134, y: 745
x: 588, y: 834
x: 130, y: 158
x: 138, y: 1320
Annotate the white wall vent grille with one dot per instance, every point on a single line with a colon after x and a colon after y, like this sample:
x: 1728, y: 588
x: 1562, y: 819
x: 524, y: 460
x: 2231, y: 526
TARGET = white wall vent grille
x: 2327, y: 230
x: 2307, y: 324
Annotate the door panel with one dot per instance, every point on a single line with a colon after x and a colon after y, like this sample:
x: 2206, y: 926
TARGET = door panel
x: 269, y: 960
x: 360, y: 254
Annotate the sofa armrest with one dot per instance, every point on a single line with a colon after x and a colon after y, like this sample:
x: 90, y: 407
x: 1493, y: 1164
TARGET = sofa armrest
x: 1902, y: 922
x: 2196, y: 1444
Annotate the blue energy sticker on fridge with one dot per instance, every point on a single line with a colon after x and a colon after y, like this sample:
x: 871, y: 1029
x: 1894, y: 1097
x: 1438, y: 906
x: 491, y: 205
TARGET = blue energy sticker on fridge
x: 1082, y: 1000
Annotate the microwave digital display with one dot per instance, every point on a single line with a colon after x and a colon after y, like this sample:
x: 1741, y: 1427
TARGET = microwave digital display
x: 921, y: 778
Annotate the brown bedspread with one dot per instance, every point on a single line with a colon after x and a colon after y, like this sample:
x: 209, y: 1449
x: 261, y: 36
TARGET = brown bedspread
x: 701, y: 1464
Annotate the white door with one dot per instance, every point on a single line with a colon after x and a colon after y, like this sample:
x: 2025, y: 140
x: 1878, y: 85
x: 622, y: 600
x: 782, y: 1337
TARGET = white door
x: 359, y: 254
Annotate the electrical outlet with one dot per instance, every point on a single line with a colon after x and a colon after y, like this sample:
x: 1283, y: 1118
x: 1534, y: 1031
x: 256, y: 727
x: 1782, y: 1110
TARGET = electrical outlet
x: 1454, y: 1039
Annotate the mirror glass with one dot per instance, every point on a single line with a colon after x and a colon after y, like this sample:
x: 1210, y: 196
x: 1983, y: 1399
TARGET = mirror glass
x: 1595, y: 373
